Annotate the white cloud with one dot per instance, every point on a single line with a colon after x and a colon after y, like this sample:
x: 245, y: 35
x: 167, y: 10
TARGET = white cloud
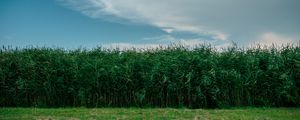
x: 269, y: 39
x: 168, y: 15
x: 159, y: 42
x: 163, y: 39
x: 168, y: 40
x: 168, y: 30
x: 238, y: 20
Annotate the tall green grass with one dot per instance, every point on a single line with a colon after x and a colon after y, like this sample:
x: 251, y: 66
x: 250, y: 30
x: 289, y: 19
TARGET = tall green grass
x: 176, y: 76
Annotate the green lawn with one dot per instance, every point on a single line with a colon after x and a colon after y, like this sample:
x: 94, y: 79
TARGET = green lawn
x: 150, y: 113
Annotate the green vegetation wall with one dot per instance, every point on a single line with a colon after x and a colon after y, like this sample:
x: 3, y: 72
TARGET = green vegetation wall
x: 169, y: 77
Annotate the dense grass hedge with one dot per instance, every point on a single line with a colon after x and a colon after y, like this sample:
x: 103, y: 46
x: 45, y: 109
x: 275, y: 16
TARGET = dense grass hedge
x: 169, y: 77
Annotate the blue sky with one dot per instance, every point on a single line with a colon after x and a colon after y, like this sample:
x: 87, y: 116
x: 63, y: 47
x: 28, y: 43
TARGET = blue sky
x: 147, y: 23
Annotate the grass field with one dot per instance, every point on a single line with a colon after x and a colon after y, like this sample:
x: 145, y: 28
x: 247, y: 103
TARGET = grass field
x: 150, y: 113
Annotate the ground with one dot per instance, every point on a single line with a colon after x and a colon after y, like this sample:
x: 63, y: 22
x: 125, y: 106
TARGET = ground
x: 149, y: 113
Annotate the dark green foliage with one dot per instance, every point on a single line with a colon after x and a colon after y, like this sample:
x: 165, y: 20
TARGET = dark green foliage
x: 166, y: 77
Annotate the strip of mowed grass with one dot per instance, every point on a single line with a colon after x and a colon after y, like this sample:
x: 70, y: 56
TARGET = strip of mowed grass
x: 149, y: 113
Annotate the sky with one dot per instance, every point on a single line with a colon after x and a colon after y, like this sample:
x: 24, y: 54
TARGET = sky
x: 75, y: 24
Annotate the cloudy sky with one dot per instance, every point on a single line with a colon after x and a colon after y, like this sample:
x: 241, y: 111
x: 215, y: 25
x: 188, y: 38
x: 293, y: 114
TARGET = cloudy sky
x: 148, y: 23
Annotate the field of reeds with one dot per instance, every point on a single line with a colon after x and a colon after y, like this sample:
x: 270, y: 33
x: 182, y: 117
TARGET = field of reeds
x: 202, y: 77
